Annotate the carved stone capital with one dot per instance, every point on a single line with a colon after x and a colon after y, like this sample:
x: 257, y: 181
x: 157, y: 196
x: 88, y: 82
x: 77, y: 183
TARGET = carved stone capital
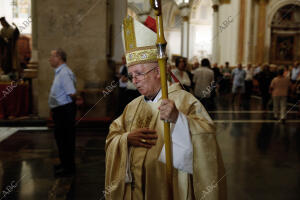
x: 215, y: 7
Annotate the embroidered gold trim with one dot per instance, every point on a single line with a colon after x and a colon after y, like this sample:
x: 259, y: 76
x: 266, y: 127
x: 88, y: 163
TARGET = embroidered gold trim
x: 141, y: 55
x: 129, y: 34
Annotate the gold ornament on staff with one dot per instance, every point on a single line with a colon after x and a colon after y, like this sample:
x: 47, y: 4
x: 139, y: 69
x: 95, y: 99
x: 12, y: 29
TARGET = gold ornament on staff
x: 161, y: 44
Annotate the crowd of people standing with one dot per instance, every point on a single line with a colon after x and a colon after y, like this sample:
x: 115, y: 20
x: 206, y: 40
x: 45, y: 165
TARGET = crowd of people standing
x: 274, y: 84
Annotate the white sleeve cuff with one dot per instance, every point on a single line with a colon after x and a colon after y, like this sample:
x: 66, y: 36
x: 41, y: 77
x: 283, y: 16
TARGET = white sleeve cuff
x: 128, y: 176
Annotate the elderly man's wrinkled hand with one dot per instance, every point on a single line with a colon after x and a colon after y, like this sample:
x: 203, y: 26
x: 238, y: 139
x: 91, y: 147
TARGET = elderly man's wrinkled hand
x: 142, y: 137
x: 168, y: 111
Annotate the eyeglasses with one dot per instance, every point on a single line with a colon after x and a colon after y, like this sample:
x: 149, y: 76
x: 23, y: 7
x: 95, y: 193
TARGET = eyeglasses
x: 140, y: 76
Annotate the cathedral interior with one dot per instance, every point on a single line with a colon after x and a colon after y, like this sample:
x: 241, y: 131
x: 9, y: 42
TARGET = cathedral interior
x: 261, y: 153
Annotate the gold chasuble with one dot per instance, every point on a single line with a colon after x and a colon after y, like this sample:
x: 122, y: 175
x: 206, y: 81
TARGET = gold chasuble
x: 147, y: 174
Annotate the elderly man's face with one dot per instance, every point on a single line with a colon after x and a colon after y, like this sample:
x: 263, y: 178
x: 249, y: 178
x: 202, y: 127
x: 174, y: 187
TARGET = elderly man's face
x: 146, y: 78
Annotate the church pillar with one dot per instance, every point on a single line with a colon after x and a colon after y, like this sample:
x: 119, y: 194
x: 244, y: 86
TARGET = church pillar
x: 215, y: 40
x: 250, y: 44
x: 185, y: 29
x: 34, y: 57
x: 32, y: 67
x: 241, y: 37
x: 260, y: 41
x: 82, y: 34
x: 119, y: 9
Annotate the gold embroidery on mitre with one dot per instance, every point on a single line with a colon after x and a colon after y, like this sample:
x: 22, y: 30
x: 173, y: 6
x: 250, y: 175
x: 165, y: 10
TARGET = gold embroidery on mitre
x: 129, y: 34
x: 141, y: 55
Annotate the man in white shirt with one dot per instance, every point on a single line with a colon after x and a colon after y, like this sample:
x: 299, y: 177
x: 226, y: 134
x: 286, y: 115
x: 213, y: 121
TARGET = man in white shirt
x: 204, y: 84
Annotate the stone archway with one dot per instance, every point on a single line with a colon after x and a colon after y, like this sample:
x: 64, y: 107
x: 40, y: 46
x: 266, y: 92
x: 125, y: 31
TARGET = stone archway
x: 273, y: 7
x: 201, y: 30
x: 285, y: 35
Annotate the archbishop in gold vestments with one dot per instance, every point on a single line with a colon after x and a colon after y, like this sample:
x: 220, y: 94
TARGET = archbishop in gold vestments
x: 148, y: 174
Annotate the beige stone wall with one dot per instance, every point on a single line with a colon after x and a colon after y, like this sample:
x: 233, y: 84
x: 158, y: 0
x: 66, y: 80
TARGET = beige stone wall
x: 119, y: 12
x: 79, y: 27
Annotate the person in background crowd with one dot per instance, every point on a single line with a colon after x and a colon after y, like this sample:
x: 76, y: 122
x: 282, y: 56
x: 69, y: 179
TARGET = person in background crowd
x: 226, y: 81
x: 248, y: 81
x: 238, y: 86
x: 180, y: 73
x: 221, y: 69
x: 188, y: 70
x: 217, y: 77
x: 279, y: 88
x: 274, y: 70
x: 226, y: 70
x: 295, y: 72
x: 195, y: 67
x: 62, y: 104
x: 257, y: 69
x: 264, y: 79
x: 287, y: 72
x: 217, y: 73
x: 204, y: 83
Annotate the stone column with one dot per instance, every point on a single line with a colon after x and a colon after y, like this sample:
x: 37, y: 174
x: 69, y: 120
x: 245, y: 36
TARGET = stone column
x: 215, y: 39
x: 119, y: 13
x: 241, y: 37
x: 185, y: 29
x: 32, y: 70
x: 260, y: 41
x: 81, y: 32
x: 250, y: 57
x: 34, y: 35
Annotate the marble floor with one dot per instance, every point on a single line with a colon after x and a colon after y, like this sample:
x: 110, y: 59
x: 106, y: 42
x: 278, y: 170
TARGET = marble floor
x: 261, y: 155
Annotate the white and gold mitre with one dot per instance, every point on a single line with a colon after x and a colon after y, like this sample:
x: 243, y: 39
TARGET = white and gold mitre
x: 139, y: 42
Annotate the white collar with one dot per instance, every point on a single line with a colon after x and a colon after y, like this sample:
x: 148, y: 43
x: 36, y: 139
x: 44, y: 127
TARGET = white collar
x: 155, y: 100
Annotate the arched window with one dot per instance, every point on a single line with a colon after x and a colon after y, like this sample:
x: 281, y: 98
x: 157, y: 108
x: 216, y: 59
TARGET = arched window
x: 285, y: 32
x: 201, y: 30
x: 17, y: 12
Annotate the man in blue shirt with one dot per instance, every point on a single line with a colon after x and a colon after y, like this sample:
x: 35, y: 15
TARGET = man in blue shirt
x: 63, y: 107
